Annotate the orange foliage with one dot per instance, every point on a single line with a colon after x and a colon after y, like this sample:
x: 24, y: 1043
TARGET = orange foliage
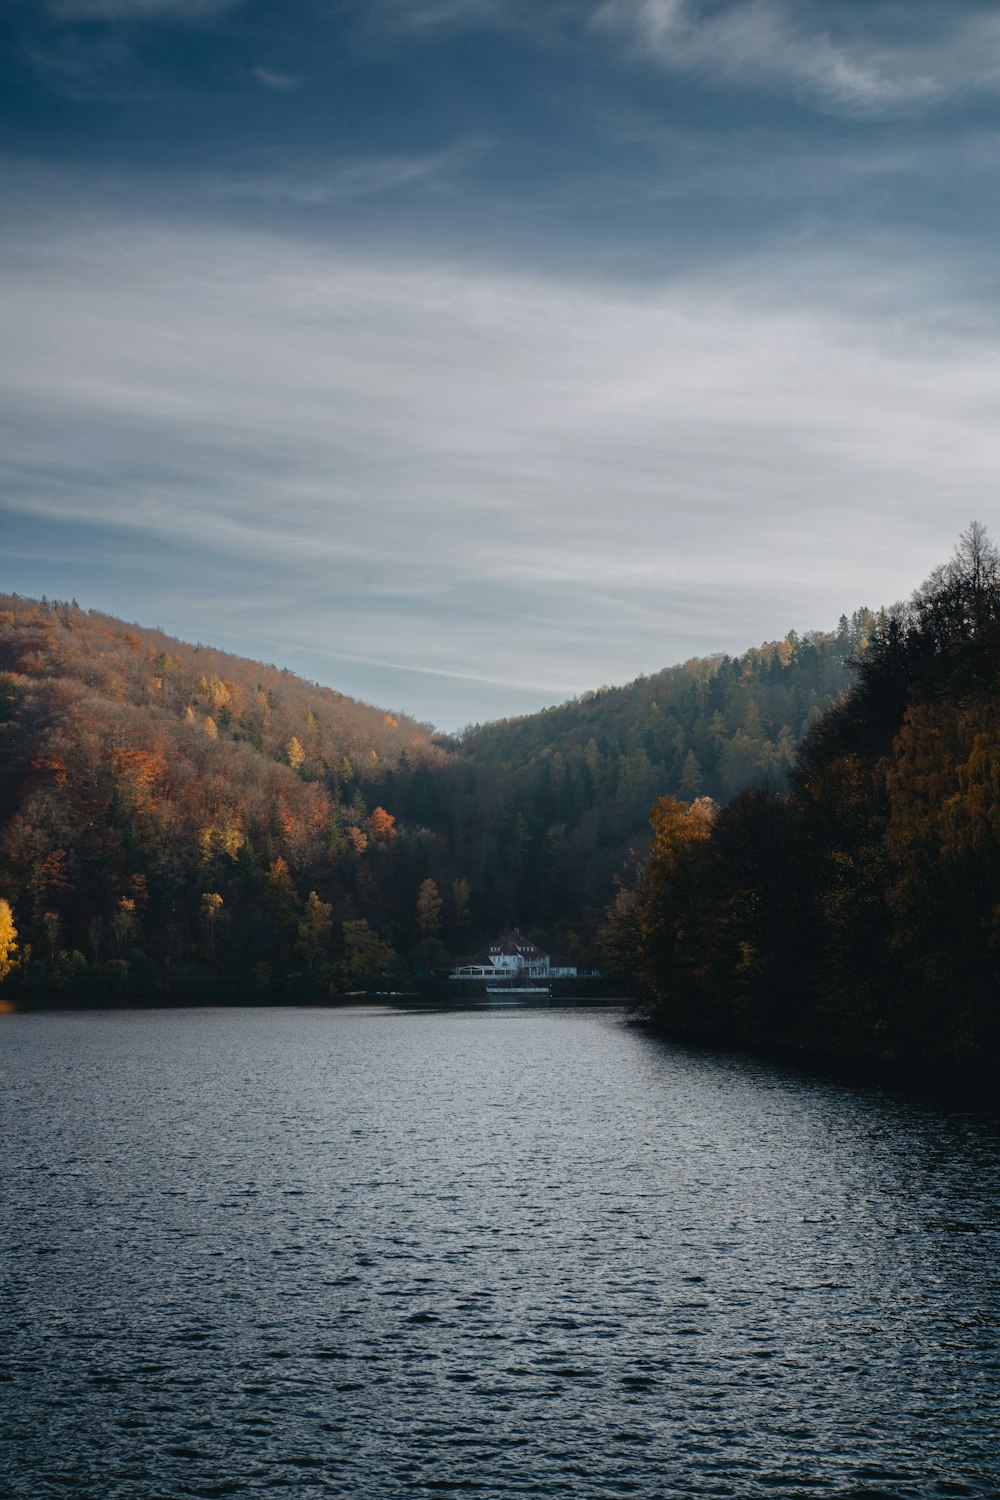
x: 51, y: 873
x: 140, y: 767
x: 383, y: 825
x: 54, y: 765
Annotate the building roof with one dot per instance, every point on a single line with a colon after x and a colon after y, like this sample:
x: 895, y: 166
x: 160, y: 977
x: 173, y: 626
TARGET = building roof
x: 511, y: 944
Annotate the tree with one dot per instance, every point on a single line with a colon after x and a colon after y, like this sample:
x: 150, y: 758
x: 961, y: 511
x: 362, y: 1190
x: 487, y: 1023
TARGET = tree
x: 460, y: 896
x: 669, y: 884
x: 383, y: 825
x: 366, y: 957
x: 8, y: 936
x: 211, y: 906
x: 358, y: 839
x: 294, y: 753
x: 428, y: 958
x: 123, y: 925
x: 429, y: 908
x: 315, y: 926
x: 692, y: 780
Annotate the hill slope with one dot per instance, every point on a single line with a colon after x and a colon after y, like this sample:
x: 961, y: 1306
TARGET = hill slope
x: 859, y: 914
x: 177, y: 820
x: 138, y: 774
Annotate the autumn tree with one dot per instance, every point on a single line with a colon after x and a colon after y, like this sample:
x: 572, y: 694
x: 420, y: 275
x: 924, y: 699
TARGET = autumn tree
x: 8, y: 939
x: 429, y: 908
x: 680, y: 831
x: 294, y: 754
x: 123, y: 924
x: 209, y: 912
x: 382, y: 825
x: 315, y: 926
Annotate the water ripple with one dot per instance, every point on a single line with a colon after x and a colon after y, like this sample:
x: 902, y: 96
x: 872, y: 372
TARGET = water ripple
x: 530, y: 1253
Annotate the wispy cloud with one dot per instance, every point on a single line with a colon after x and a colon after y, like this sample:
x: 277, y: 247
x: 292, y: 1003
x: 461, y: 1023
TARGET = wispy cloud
x: 449, y: 469
x: 838, y: 57
x: 307, y: 182
x: 88, y: 68
x: 279, y: 83
x: 137, y: 10
x: 769, y: 166
x: 415, y: 15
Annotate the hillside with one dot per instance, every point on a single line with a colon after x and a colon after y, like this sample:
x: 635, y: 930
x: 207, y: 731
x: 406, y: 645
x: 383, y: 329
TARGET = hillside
x: 859, y: 913
x: 175, y: 820
x: 567, y: 791
x: 139, y: 775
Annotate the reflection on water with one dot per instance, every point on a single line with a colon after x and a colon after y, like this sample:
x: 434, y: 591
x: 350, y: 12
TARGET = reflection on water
x: 526, y: 1251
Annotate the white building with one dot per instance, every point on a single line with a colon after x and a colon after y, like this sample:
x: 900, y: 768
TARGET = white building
x: 511, y: 956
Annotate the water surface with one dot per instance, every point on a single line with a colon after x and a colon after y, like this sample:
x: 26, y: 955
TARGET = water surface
x: 497, y: 1253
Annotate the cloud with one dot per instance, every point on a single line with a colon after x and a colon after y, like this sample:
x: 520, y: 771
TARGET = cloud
x: 417, y: 15
x: 137, y: 10
x: 822, y: 52
x: 88, y: 68
x: 826, y: 173
x: 442, y: 469
x: 309, y: 183
x: 280, y: 83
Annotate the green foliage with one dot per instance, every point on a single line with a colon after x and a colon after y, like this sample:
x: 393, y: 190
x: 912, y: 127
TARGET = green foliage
x: 115, y: 790
x: 859, y: 913
x: 367, y: 959
x: 315, y: 927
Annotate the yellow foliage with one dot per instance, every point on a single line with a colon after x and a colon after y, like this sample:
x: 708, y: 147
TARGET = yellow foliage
x: 8, y: 935
x: 677, y: 825
x: 215, y: 690
x: 429, y: 906
x: 295, y: 753
x: 231, y: 838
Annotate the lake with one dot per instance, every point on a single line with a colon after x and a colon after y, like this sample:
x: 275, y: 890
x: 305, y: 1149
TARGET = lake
x: 513, y: 1252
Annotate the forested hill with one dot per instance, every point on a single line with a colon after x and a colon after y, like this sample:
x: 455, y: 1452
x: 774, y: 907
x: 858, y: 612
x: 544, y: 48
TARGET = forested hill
x: 175, y: 820
x: 564, y: 795
x: 165, y: 809
x: 859, y: 913
x: 712, y: 726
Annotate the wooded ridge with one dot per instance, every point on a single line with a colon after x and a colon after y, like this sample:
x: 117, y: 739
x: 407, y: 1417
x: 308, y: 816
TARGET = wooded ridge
x: 176, y: 821
x: 857, y: 913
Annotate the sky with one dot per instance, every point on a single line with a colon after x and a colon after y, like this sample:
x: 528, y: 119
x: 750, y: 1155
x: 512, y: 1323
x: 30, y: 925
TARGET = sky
x: 466, y: 355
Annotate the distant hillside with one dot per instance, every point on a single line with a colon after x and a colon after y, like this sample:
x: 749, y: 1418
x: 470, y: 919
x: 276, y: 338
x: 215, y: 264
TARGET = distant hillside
x: 736, y: 716
x: 175, y: 820
x: 565, y: 793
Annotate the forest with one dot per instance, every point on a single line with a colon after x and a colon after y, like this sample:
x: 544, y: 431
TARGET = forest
x: 855, y: 914
x: 181, y: 823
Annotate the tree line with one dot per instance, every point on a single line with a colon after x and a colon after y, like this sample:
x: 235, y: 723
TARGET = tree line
x: 856, y: 913
x: 177, y: 821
